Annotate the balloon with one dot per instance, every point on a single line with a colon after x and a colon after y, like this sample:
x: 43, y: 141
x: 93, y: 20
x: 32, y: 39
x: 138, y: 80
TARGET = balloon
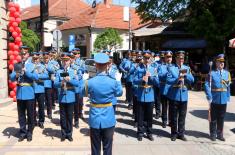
x: 12, y: 94
x: 12, y: 19
x: 14, y: 34
x: 12, y: 57
x: 10, y: 52
x: 16, y: 47
x: 15, y: 53
x: 18, y: 30
x: 17, y: 6
x: 16, y: 14
x: 14, y: 99
x: 11, y: 67
x: 11, y: 46
x: 12, y: 9
x: 14, y: 61
x: 18, y: 39
x: 11, y: 29
x: 15, y: 89
x: 18, y: 58
x: 11, y: 4
x: 18, y: 20
x: 15, y: 24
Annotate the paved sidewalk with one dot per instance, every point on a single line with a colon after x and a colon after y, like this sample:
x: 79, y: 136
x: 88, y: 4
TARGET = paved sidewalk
x: 47, y: 141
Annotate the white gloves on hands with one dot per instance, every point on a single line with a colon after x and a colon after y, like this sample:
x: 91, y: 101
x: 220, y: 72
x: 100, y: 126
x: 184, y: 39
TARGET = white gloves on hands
x: 118, y: 76
x: 209, y: 101
x: 85, y: 76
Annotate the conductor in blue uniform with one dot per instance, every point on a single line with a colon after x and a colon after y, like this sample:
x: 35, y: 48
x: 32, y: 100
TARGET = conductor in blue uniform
x: 145, y: 79
x: 102, y: 89
x: 66, y: 81
x: 179, y: 77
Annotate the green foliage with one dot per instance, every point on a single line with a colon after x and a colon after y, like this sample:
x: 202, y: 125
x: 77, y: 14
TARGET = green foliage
x: 108, y: 39
x: 29, y: 37
x: 213, y: 20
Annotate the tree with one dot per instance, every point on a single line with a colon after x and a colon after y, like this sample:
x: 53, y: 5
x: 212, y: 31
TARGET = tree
x: 29, y: 37
x: 213, y: 20
x: 108, y: 39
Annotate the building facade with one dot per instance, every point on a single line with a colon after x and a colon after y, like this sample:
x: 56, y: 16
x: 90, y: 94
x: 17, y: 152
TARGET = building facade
x: 3, y: 52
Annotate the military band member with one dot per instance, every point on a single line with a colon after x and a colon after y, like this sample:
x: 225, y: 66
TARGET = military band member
x: 48, y: 83
x: 138, y: 61
x: 81, y: 64
x: 178, y: 76
x: 78, y: 73
x: 25, y: 96
x: 102, y: 89
x: 39, y: 88
x: 162, y: 73
x: 66, y: 82
x: 145, y: 78
x: 112, y: 71
x: 125, y: 68
x: 217, y: 88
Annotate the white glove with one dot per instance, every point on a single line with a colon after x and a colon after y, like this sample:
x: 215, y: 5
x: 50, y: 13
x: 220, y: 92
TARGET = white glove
x: 118, y: 76
x: 85, y: 76
x: 209, y: 101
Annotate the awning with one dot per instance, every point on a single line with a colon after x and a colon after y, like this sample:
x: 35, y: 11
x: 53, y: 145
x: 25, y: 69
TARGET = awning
x: 232, y: 43
x: 185, y: 44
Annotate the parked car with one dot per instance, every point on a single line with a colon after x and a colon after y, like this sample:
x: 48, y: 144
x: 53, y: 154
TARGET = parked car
x: 90, y: 67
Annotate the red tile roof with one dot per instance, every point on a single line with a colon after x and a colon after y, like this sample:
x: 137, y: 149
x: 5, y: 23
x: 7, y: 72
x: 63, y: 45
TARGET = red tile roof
x: 57, y: 8
x: 102, y: 17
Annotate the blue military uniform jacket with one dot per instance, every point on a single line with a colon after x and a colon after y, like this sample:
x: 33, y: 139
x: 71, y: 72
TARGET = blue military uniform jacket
x: 102, y: 89
x: 178, y: 91
x: 42, y: 72
x: 50, y: 70
x: 66, y: 94
x: 25, y: 89
x: 162, y: 74
x: 145, y: 92
x: 219, y: 92
x: 125, y: 66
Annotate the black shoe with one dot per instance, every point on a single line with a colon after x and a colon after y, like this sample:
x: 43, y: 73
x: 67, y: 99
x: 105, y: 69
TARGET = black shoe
x: 164, y: 124
x: 150, y: 137
x: 76, y: 125
x: 183, y: 138
x: 135, y: 125
x: 49, y: 116
x: 29, y: 138
x: 157, y: 116
x: 129, y: 107
x: 213, y: 138
x: 41, y: 125
x: 81, y: 116
x: 21, y: 138
x: 70, y: 139
x: 139, y: 138
x: 173, y: 138
x: 221, y: 138
x: 62, y: 139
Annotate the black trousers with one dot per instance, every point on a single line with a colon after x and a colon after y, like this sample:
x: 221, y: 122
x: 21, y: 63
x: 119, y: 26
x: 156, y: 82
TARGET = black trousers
x: 129, y: 92
x: 218, y: 112
x: 78, y: 107
x: 39, y: 98
x: 166, y: 111
x: 48, y: 100
x: 54, y: 96
x: 25, y: 107
x: 179, y: 110
x: 135, y: 108
x: 66, y: 119
x: 145, y: 113
x: 157, y: 101
x: 114, y: 108
x: 104, y: 136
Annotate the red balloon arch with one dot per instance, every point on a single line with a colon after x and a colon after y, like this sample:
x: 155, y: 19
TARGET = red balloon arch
x: 14, y: 47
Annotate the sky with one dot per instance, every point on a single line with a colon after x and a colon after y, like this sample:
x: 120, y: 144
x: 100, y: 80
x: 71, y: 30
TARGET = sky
x: 119, y: 2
